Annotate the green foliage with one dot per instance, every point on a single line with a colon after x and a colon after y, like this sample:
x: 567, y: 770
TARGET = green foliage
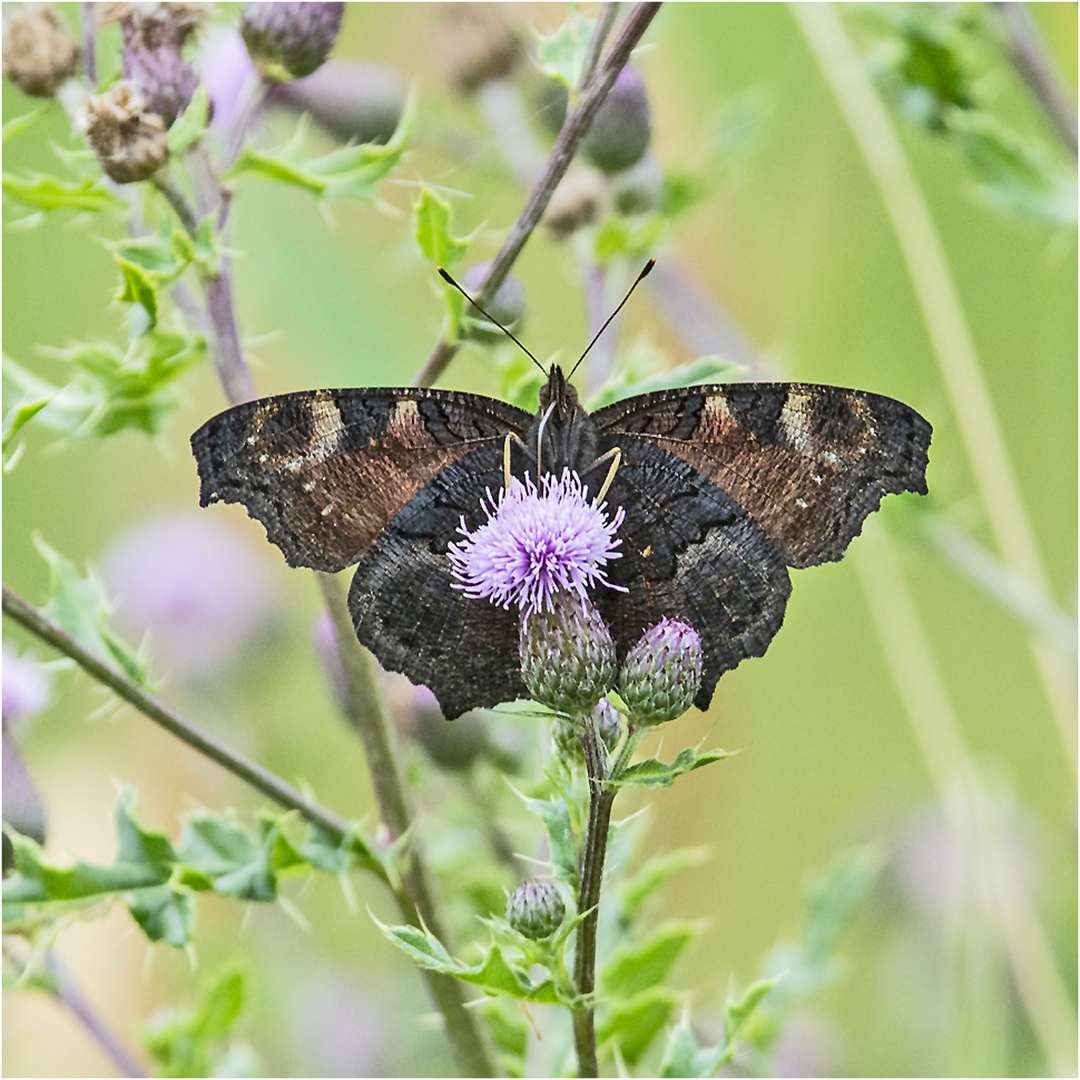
x: 189, y: 1043
x: 156, y: 879
x: 42, y: 192
x: 78, y: 604
x: 432, y: 228
x: 635, y: 968
x: 631, y: 1024
x: 656, y: 773
x: 701, y: 372
x: 562, y: 53
x: 928, y: 65
x: 110, y: 390
x: 494, y: 974
x: 190, y: 125
x: 350, y: 172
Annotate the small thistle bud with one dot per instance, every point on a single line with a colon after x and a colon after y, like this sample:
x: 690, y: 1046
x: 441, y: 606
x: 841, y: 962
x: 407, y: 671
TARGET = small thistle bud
x: 39, y: 52
x: 567, y: 655
x: 575, y: 203
x: 129, y: 141
x: 508, y: 306
x: 621, y: 129
x: 565, y: 740
x: 351, y: 100
x: 535, y: 910
x: 608, y: 724
x: 662, y: 673
x: 290, y: 39
x: 478, y: 46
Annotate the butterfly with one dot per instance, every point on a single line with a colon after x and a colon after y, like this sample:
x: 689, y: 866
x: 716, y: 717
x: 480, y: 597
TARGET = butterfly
x: 724, y: 488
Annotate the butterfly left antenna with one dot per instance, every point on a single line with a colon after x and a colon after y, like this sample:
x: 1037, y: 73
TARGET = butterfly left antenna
x: 450, y: 281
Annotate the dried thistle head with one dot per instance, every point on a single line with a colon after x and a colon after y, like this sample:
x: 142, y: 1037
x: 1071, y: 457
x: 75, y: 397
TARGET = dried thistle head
x: 39, y: 52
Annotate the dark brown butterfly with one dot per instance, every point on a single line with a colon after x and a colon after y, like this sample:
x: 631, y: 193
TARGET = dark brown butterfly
x: 723, y: 487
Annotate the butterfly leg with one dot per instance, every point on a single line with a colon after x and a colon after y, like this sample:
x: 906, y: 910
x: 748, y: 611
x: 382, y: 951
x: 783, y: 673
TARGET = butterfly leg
x: 616, y: 459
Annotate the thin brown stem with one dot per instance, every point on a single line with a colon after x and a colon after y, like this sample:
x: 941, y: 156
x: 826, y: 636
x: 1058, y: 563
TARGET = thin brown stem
x: 573, y: 131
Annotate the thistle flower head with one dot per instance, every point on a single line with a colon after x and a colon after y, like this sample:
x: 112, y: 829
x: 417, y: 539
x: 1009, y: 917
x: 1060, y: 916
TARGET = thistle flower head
x: 537, y: 543
x: 128, y: 138
x: 662, y: 673
x: 39, y: 52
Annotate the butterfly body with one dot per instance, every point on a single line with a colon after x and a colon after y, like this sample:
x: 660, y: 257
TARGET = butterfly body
x: 723, y: 488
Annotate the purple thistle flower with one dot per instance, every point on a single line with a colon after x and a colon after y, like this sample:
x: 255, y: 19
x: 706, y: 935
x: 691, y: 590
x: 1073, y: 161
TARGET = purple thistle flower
x: 536, y: 544
x: 25, y: 686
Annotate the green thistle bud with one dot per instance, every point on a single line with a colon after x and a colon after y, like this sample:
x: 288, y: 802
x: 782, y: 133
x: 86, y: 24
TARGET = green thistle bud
x: 39, y: 52
x: 662, y: 673
x: 535, y: 910
x: 565, y: 741
x: 290, y: 39
x: 622, y: 128
x: 567, y: 655
x: 639, y: 189
x: 608, y: 724
x: 575, y: 203
x: 130, y: 141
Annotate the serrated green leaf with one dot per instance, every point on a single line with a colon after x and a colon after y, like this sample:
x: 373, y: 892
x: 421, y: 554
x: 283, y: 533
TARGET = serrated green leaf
x: 136, y: 289
x: 657, y: 872
x: 432, y: 229
x: 186, y: 1043
x: 191, y: 124
x: 632, y: 1025
x: 562, y: 54
x: 494, y: 975
x: 19, y: 415
x: 135, y: 842
x: 657, y: 773
x: 739, y: 1010
x: 79, y: 606
x: 49, y: 193
x: 339, y: 857
x: 349, y: 172
x: 238, y: 865
x: 555, y: 815
x: 165, y: 913
x: 618, y: 237
x: 18, y: 124
x: 640, y: 966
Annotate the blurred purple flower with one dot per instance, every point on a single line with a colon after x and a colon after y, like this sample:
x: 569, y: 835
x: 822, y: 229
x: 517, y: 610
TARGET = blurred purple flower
x: 25, y: 686
x: 225, y: 68
x: 23, y: 809
x: 807, y: 1046
x: 341, y: 1024
x: 196, y: 584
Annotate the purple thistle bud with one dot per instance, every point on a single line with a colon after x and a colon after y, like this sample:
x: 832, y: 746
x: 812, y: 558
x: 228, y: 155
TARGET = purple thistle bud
x: 508, y: 305
x: 356, y: 102
x: 608, y: 724
x: 129, y: 140
x: 290, y: 39
x: 622, y: 128
x: 39, y: 52
x: 662, y: 673
x: 535, y: 910
x: 166, y: 79
x: 567, y: 655
x: 536, y: 544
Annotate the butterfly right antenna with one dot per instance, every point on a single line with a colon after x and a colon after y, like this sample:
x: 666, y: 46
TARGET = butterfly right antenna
x: 607, y: 322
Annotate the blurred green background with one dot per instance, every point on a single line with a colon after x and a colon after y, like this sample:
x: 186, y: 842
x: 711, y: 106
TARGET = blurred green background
x: 791, y: 241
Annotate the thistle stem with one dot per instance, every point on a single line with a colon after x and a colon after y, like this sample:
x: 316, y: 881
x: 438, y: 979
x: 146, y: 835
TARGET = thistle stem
x: 591, y: 876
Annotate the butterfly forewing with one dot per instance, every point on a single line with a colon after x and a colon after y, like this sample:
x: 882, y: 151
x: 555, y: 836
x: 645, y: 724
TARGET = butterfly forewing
x: 808, y: 462
x: 326, y: 470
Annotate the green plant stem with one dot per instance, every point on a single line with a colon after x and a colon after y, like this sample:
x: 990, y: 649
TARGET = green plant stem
x: 954, y: 346
x: 1030, y: 57
x: 590, y: 880
x: 271, y: 785
x: 573, y: 130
